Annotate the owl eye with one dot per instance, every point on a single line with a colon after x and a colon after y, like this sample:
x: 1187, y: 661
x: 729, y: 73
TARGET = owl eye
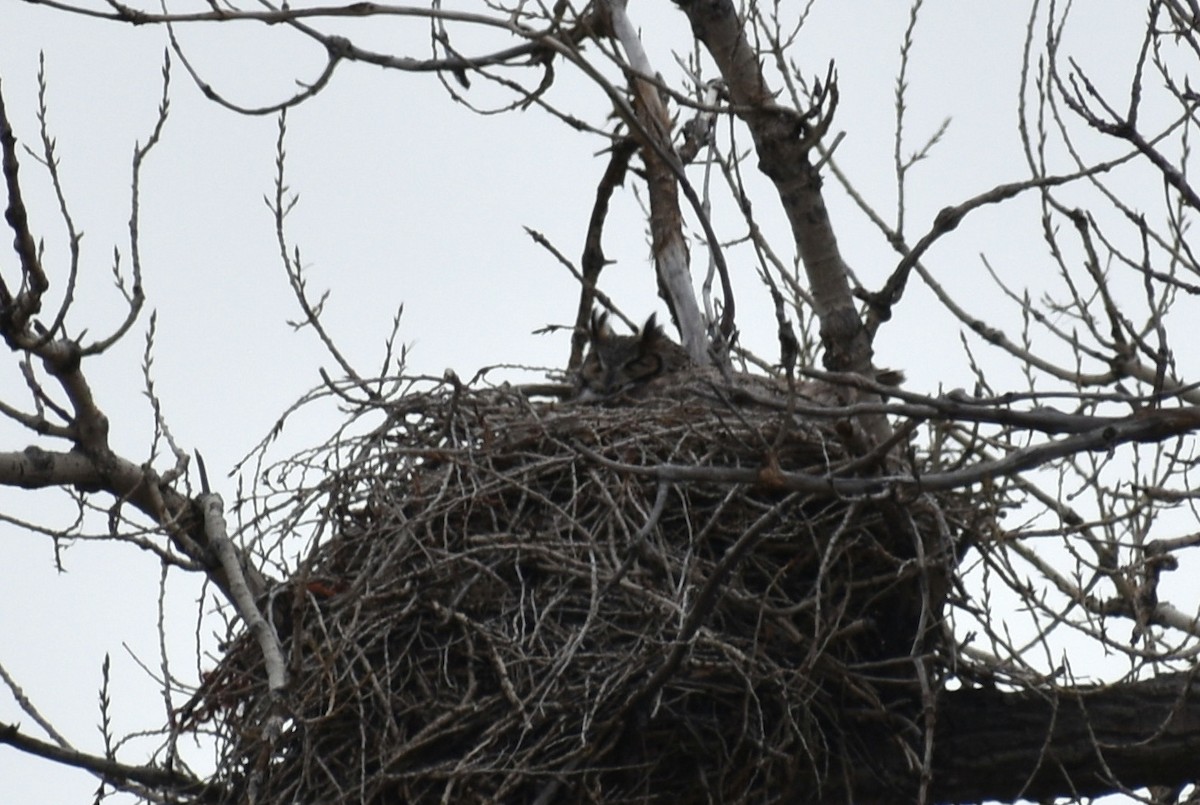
x: 644, y: 366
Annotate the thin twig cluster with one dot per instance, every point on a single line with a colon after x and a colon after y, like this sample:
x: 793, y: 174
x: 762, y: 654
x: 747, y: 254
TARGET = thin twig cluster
x: 507, y: 612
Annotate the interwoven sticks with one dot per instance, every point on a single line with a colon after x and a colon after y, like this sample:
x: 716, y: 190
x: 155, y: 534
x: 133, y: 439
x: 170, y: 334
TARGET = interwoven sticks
x: 513, y: 607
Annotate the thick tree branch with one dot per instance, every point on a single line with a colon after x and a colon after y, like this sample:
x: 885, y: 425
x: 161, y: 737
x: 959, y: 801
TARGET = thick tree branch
x: 16, y: 310
x: 237, y: 570
x: 593, y: 260
x: 1040, y: 745
x: 35, y: 468
x: 668, y: 246
x: 783, y: 139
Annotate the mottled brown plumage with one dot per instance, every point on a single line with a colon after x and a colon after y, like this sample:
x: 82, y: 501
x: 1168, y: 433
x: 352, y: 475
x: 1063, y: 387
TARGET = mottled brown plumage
x: 617, y: 364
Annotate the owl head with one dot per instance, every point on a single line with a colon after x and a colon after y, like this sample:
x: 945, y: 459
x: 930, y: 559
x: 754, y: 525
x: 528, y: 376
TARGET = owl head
x: 620, y: 363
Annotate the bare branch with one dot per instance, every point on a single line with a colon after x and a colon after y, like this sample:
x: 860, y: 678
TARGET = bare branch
x: 110, y: 770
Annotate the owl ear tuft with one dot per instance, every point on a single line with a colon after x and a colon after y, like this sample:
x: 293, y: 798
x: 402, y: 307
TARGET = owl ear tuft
x: 600, y: 329
x: 651, y: 332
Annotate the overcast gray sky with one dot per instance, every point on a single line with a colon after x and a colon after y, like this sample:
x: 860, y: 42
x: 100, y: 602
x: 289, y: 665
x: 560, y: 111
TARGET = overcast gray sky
x: 408, y: 197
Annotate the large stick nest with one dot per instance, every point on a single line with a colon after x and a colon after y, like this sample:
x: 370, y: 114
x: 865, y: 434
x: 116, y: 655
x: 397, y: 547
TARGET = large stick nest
x: 519, y: 602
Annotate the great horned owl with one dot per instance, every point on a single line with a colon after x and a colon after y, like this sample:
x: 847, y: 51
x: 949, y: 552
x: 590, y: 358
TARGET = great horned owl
x: 619, y: 363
